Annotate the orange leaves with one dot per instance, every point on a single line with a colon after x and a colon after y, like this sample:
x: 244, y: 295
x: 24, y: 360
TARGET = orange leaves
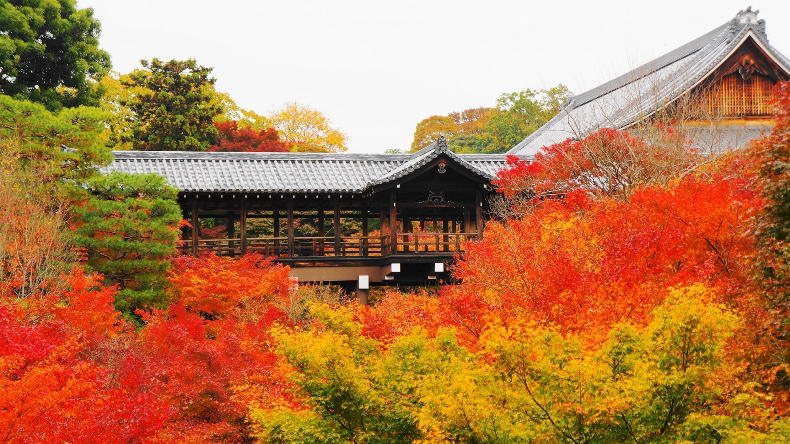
x: 89, y: 309
x: 246, y: 139
x: 588, y: 265
x: 224, y: 287
x: 187, y: 376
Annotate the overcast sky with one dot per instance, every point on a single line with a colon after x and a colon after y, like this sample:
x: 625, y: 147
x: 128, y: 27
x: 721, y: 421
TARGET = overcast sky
x: 376, y: 68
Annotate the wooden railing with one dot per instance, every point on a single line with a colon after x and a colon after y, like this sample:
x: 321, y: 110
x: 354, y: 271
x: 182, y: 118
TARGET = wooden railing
x: 329, y: 246
x: 429, y: 242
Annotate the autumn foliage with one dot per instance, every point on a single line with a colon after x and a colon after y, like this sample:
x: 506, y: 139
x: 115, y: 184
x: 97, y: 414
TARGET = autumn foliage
x: 235, y: 138
x: 633, y: 293
x: 188, y: 376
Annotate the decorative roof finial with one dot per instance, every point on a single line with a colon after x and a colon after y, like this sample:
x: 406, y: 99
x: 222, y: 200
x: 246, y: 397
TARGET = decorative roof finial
x: 747, y: 17
x: 441, y: 144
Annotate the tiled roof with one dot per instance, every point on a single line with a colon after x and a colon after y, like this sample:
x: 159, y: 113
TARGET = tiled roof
x: 428, y: 154
x: 288, y: 172
x: 627, y: 99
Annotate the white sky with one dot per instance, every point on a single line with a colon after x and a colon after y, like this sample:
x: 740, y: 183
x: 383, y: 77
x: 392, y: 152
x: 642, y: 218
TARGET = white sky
x: 376, y: 68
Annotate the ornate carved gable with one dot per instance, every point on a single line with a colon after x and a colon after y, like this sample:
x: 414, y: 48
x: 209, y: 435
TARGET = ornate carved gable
x: 742, y: 87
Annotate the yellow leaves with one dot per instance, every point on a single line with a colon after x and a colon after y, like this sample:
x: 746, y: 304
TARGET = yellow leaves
x: 689, y: 330
x: 307, y: 129
x: 527, y: 382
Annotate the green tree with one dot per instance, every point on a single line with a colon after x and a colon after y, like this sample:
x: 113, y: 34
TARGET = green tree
x: 129, y: 227
x: 49, y: 53
x: 52, y: 154
x: 173, y: 106
x: 519, y: 114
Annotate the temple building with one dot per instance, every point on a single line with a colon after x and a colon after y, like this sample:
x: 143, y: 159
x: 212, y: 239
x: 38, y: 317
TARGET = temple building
x: 378, y: 219
x: 719, y: 86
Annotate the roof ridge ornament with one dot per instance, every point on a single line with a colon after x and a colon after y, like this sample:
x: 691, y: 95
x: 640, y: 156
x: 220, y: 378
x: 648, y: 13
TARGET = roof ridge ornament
x: 748, y: 17
x: 441, y: 144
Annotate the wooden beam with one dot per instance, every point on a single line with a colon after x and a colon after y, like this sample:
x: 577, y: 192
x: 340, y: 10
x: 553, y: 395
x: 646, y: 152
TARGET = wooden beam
x: 336, y: 225
x: 479, y: 213
x: 195, y: 227
x: 321, y: 231
x: 290, y: 215
x: 243, y: 226
x: 364, y: 232
x: 393, y: 223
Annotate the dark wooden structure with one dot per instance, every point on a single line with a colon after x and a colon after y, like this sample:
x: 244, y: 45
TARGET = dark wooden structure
x: 385, y: 219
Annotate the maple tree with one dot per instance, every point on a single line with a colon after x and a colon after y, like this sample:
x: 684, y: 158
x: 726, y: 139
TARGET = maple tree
x: 232, y: 138
x: 527, y: 382
x: 306, y: 129
x: 57, y: 355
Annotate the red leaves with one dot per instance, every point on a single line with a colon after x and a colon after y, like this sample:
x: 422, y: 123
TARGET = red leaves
x: 222, y: 287
x: 586, y: 265
x: 56, y: 363
x: 246, y: 139
x: 606, y: 162
x: 89, y: 310
x: 189, y: 375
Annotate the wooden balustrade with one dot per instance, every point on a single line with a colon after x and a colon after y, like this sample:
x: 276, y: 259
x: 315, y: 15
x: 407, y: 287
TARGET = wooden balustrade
x: 330, y: 246
x: 431, y: 242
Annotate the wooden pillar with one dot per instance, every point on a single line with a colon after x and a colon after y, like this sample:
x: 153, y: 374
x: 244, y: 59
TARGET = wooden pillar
x: 405, y: 229
x: 455, y: 230
x: 364, y: 232
x: 362, y: 296
x: 383, y: 230
x: 276, y: 228
x: 417, y: 238
x: 467, y: 220
x: 230, y: 228
x: 445, y: 230
x: 290, y: 215
x: 336, y: 225
x: 321, y: 231
x: 243, y: 226
x: 393, y: 223
x: 195, y: 227
x: 479, y: 214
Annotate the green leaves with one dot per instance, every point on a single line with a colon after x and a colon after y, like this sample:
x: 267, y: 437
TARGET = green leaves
x: 49, y: 53
x: 129, y: 227
x: 493, y: 130
x: 51, y: 154
x: 174, y: 106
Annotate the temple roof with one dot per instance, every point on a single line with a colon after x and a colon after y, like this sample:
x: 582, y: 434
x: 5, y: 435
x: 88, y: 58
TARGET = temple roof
x: 291, y: 172
x: 627, y: 99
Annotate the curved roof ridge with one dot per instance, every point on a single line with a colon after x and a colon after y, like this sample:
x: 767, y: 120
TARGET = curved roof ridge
x: 652, y: 66
x: 674, y: 74
x: 423, y: 158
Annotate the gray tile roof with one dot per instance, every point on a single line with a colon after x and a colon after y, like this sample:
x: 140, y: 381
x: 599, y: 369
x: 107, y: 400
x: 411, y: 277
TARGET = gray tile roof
x: 427, y: 155
x: 625, y: 100
x: 288, y: 172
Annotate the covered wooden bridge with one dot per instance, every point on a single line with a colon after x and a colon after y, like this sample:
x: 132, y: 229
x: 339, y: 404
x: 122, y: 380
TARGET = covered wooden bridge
x: 380, y: 218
